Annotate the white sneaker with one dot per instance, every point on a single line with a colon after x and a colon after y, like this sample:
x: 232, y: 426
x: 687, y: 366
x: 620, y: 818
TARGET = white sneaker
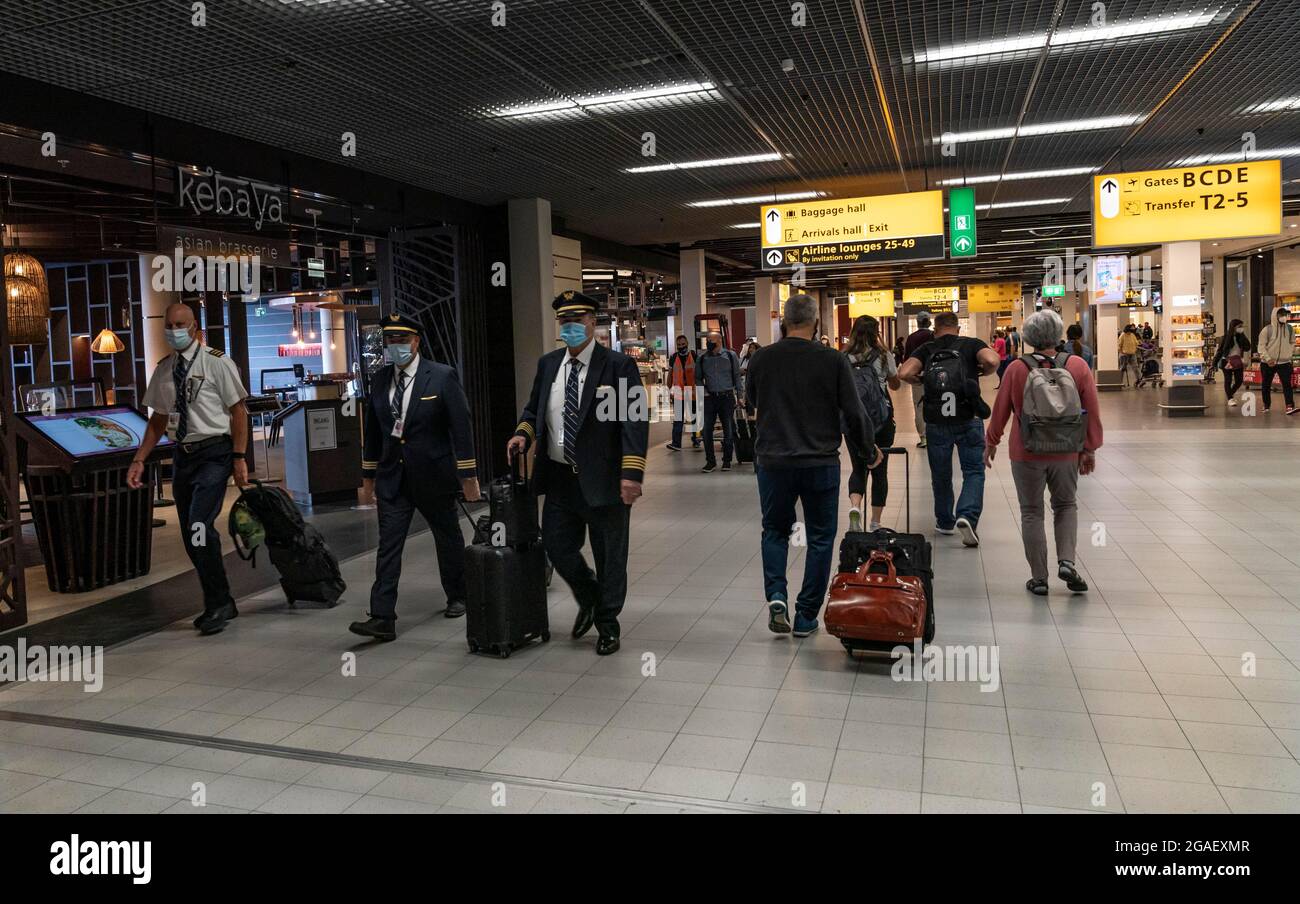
x: 1232, y: 403
x: 967, y: 531
x: 946, y: 531
x: 875, y: 526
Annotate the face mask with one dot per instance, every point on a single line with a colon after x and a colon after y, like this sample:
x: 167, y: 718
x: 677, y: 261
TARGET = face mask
x: 1241, y: 329
x: 573, y: 334
x: 179, y: 339
x: 681, y: 349
x: 399, y: 353
x: 713, y: 346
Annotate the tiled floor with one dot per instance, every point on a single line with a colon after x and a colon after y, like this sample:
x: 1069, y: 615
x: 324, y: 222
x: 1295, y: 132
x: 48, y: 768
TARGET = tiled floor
x: 1130, y: 698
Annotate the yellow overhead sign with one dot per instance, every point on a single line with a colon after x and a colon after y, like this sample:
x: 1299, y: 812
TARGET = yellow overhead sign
x: 996, y: 297
x: 931, y: 294
x: 936, y: 299
x: 1224, y: 201
x: 876, y: 303
x: 904, y: 227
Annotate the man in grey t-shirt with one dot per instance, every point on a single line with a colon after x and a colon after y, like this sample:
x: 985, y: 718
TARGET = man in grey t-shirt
x: 718, y: 371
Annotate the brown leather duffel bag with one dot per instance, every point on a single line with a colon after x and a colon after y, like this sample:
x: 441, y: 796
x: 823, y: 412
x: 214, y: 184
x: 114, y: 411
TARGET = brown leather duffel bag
x: 868, y: 605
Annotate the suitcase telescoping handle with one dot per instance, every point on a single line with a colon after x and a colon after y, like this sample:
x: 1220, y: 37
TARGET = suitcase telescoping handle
x: 907, y: 481
x: 519, y: 467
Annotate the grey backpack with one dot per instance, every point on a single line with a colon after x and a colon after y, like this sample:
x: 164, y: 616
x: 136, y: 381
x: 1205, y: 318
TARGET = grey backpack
x: 1051, y: 414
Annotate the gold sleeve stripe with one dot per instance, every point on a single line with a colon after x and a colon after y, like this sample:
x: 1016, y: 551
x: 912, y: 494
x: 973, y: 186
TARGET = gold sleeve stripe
x: 631, y: 461
x: 526, y: 427
x: 466, y: 463
x: 369, y: 464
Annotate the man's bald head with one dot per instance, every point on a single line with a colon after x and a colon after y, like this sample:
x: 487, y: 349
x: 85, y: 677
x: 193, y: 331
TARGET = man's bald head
x: 178, y: 316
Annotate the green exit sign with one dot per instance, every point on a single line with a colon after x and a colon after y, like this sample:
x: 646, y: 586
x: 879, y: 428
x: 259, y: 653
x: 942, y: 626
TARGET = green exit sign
x: 961, y: 223
x: 1053, y: 291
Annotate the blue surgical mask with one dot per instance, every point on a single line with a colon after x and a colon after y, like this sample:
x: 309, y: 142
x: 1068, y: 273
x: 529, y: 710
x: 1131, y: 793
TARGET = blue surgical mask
x: 573, y: 334
x: 399, y: 353
x: 179, y: 339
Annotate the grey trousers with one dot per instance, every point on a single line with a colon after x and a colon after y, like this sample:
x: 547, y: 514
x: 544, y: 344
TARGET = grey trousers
x: 1061, y: 480
x: 918, y: 391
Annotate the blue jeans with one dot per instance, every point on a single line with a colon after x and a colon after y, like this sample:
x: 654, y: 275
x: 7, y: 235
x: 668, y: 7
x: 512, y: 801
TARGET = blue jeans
x: 969, y: 440
x: 818, y: 491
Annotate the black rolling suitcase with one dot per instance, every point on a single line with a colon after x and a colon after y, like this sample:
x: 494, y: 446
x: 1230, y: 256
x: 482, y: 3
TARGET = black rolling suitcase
x: 267, y: 516
x: 744, y: 434
x: 911, y: 553
x: 505, y: 585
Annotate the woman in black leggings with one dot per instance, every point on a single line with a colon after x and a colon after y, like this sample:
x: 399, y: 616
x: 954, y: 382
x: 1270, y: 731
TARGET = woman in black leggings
x: 866, y: 350
x: 1233, y: 353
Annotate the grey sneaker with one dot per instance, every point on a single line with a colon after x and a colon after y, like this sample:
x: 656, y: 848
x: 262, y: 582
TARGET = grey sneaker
x: 778, y: 619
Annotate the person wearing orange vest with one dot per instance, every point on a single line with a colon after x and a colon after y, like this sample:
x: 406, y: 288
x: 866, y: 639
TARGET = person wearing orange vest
x: 681, y: 386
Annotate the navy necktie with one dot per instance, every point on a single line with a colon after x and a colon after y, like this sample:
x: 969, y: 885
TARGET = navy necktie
x: 396, y: 406
x: 179, y: 373
x: 571, y: 412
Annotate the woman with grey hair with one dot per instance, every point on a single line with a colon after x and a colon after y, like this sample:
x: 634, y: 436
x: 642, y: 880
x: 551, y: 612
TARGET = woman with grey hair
x: 1056, y: 472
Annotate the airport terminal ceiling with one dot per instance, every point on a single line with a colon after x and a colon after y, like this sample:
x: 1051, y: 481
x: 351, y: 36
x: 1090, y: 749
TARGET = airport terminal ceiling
x: 839, y: 97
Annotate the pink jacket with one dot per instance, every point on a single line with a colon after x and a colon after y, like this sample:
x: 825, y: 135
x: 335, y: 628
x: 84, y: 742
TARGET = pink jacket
x: 1012, y: 394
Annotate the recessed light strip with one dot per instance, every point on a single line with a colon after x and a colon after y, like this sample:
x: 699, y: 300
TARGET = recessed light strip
x: 1045, y: 128
x: 643, y: 97
x: 1238, y: 156
x: 1026, y: 174
x: 701, y: 164
x: 759, y: 199
x: 1067, y: 37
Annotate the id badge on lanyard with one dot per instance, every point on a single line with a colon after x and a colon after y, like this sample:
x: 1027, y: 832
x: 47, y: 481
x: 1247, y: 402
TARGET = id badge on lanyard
x: 397, y: 427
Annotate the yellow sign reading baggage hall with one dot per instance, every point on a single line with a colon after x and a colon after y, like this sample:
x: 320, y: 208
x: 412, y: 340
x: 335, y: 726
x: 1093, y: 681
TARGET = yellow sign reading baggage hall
x: 1224, y: 201
x: 996, y: 297
x: 906, y: 227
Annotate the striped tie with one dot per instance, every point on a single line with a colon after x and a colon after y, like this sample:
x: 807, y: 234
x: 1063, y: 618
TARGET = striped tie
x: 396, y: 405
x: 571, y: 412
x: 179, y: 372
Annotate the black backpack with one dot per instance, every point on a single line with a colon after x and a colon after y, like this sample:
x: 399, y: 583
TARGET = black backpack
x: 867, y: 382
x: 944, y: 380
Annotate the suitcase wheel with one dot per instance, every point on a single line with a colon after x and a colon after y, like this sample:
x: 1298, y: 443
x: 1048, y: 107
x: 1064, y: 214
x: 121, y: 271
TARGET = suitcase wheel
x: 848, y: 647
x: 503, y: 650
x: 546, y: 636
x: 473, y: 646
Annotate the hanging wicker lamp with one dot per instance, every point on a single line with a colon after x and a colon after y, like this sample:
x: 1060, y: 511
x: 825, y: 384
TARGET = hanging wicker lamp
x: 27, y: 295
x: 107, y: 343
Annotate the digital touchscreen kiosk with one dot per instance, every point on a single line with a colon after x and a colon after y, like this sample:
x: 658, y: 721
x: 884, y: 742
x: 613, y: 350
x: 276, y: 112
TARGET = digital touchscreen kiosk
x: 86, y: 432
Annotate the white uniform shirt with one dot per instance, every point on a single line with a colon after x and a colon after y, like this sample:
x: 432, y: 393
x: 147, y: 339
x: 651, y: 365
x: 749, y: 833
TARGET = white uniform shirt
x: 411, y: 369
x: 555, y: 401
x: 212, y: 387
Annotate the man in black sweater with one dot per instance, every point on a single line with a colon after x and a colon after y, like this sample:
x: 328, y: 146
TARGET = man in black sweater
x: 806, y: 400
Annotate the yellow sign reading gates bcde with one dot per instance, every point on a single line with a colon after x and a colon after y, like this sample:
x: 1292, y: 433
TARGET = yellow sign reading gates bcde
x: 875, y: 303
x: 1224, y: 201
x: 992, y: 297
x: 932, y: 295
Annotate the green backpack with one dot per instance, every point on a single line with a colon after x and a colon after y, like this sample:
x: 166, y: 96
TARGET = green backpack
x: 246, y: 530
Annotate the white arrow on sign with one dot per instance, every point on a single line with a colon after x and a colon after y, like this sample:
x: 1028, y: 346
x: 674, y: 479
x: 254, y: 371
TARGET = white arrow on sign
x: 774, y: 258
x: 962, y: 243
x: 772, y: 225
x: 1110, y: 199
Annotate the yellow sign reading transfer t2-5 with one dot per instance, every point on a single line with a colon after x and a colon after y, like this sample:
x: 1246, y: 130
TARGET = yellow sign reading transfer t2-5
x: 1224, y: 201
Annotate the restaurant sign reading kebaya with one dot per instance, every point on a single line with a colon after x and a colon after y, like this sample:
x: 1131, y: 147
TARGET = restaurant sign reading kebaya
x: 209, y: 192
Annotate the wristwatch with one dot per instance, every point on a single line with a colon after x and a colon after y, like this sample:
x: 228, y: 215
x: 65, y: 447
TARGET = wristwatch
x: 238, y: 455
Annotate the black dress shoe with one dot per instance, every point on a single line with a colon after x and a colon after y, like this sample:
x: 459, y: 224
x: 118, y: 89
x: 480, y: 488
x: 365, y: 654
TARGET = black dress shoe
x: 606, y: 645
x: 582, y: 624
x: 455, y: 608
x: 234, y: 614
x: 214, y: 622
x: 378, y: 628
